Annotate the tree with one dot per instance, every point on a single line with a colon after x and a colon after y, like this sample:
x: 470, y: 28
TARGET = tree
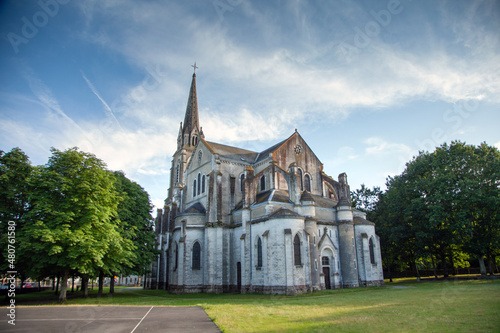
x: 134, y: 212
x: 365, y: 199
x: 135, y: 227
x: 72, y: 225
x: 443, y: 204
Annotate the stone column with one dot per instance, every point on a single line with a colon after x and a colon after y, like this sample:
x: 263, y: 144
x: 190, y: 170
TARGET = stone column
x: 347, y: 246
x: 288, y: 262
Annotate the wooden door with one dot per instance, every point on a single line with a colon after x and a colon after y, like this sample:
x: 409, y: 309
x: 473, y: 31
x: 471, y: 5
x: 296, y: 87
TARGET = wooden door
x: 326, y: 272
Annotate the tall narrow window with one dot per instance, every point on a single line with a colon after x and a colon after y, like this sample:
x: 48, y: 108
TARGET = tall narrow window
x: 259, y: 253
x: 372, y: 252
x: 232, y: 189
x: 203, y: 184
x: 199, y: 183
x: 296, y: 251
x: 194, y: 188
x: 177, y: 172
x: 196, y: 256
x: 176, y: 254
x: 242, y: 184
x: 263, y: 183
x: 301, y: 179
x: 307, y: 183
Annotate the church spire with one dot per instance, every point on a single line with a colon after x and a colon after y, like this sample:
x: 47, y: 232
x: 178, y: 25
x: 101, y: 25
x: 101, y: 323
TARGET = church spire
x: 190, y: 127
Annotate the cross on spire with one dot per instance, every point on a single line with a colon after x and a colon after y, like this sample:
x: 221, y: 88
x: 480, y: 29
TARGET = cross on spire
x: 195, y: 67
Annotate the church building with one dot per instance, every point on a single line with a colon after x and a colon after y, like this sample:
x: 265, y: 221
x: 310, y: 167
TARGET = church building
x: 272, y: 222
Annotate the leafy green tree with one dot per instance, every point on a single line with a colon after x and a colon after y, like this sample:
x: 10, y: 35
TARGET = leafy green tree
x: 72, y: 225
x: 366, y: 199
x: 479, y: 203
x: 134, y: 212
x: 443, y: 204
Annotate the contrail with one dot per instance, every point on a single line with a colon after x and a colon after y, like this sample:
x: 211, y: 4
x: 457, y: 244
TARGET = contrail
x: 106, y: 106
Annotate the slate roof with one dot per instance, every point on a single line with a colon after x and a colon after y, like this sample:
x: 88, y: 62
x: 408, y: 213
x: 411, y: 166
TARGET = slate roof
x: 360, y: 220
x: 270, y: 195
x: 262, y: 155
x: 197, y: 208
x: 284, y: 213
x: 318, y: 200
x: 233, y: 153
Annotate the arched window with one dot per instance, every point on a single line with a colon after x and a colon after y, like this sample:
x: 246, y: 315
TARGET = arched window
x: 296, y: 251
x: 203, y: 184
x: 307, y: 183
x: 196, y: 256
x: 194, y: 188
x: 259, y: 253
x: 176, y: 254
x: 372, y: 251
x: 199, y: 183
x: 263, y: 183
x: 301, y: 179
x: 242, y: 184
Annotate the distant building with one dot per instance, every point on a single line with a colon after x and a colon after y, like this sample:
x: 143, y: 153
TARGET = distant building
x: 267, y: 222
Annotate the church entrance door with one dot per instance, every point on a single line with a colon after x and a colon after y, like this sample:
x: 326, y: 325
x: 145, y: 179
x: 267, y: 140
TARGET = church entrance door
x: 238, y: 275
x: 326, y: 272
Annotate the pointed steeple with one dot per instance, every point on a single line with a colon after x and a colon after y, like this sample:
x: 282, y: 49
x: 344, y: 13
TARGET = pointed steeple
x: 190, y: 127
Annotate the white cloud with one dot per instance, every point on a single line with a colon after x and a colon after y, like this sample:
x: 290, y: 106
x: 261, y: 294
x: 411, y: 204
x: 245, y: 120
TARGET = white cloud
x: 245, y: 125
x: 379, y: 146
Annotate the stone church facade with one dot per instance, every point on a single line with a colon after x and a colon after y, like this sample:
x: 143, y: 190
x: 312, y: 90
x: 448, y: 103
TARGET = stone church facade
x: 236, y: 220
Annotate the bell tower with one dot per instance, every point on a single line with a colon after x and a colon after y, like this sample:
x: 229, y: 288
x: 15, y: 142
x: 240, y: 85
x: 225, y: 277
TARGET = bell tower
x: 189, y: 135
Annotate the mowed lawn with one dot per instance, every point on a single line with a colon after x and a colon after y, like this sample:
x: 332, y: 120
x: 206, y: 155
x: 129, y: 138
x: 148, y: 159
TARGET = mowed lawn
x: 440, y: 306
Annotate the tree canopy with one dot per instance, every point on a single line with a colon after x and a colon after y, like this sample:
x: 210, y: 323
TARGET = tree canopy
x: 75, y: 217
x: 444, y: 207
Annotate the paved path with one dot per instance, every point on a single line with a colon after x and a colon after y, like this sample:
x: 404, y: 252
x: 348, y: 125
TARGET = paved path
x: 109, y: 319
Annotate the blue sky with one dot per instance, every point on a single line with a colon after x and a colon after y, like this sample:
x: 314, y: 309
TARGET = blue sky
x: 366, y: 83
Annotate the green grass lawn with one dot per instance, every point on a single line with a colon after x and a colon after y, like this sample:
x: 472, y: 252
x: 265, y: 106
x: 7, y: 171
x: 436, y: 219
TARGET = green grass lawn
x: 402, y: 306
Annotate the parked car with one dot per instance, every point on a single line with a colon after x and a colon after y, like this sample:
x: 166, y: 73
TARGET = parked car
x: 4, y: 286
x: 28, y: 285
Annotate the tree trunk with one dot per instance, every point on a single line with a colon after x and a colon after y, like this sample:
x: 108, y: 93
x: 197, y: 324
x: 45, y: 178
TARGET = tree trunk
x: 101, y: 283
x: 73, y: 283
x: 112, y: 284
x: 57, y: 285
x: 482, y: 267
x: 434, y: 267
x: 64, y: 287
x: 53, y: 283
x: 445, y: 266
x: 490, y: 265
x: 85, y: 285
